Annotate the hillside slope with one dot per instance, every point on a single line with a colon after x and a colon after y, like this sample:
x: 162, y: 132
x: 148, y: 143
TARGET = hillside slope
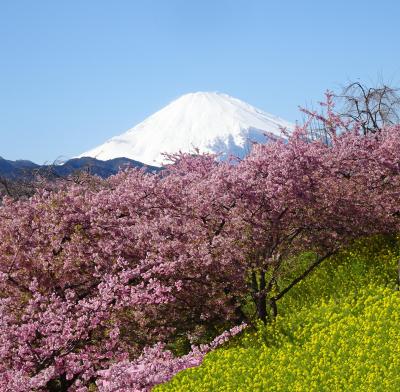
x: 346, y: 340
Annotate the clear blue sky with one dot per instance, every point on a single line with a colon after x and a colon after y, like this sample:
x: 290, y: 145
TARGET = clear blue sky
x: 74, y: 73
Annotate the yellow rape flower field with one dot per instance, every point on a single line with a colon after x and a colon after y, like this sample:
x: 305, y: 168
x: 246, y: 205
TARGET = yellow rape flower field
x: 346, y: 340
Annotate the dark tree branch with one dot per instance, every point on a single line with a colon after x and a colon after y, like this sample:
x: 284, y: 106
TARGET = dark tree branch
x: 311, y: 268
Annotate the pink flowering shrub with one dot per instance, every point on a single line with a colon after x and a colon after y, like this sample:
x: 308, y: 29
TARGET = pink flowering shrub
x: 97, y: 278
x: 91, y: 276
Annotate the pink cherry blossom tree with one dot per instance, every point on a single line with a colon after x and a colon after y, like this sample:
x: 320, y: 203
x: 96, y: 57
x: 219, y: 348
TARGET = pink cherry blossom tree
x: 98, y: 279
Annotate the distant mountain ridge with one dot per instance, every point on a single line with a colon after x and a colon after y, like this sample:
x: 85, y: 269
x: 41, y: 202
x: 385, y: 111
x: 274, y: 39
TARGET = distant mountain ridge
x: 205, y: 122
x: 25, y: 169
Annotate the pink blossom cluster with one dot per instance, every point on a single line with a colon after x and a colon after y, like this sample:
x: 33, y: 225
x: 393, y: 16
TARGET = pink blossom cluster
x: 156, y: 365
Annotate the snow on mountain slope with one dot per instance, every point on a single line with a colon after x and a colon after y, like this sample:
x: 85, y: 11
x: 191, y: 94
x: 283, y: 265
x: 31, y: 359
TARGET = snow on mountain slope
x: 209, y: 122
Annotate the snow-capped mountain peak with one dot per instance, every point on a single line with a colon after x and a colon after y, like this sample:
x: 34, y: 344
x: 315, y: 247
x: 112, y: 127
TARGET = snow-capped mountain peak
x: 207, y: 121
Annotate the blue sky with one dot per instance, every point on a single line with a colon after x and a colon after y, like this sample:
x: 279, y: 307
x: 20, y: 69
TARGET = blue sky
x: 74, y: 73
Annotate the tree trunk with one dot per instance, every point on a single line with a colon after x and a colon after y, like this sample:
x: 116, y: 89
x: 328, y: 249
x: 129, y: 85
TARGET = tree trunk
x: 262, y: 299
x: 233, y: 301
x: 60, y: 385
x: 274, y: 307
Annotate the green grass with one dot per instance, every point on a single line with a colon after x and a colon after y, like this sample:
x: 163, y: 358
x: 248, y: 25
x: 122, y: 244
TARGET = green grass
x: 337, y: 331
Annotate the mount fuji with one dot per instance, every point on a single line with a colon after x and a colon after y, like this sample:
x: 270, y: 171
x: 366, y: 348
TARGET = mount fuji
x: 202, y: 121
